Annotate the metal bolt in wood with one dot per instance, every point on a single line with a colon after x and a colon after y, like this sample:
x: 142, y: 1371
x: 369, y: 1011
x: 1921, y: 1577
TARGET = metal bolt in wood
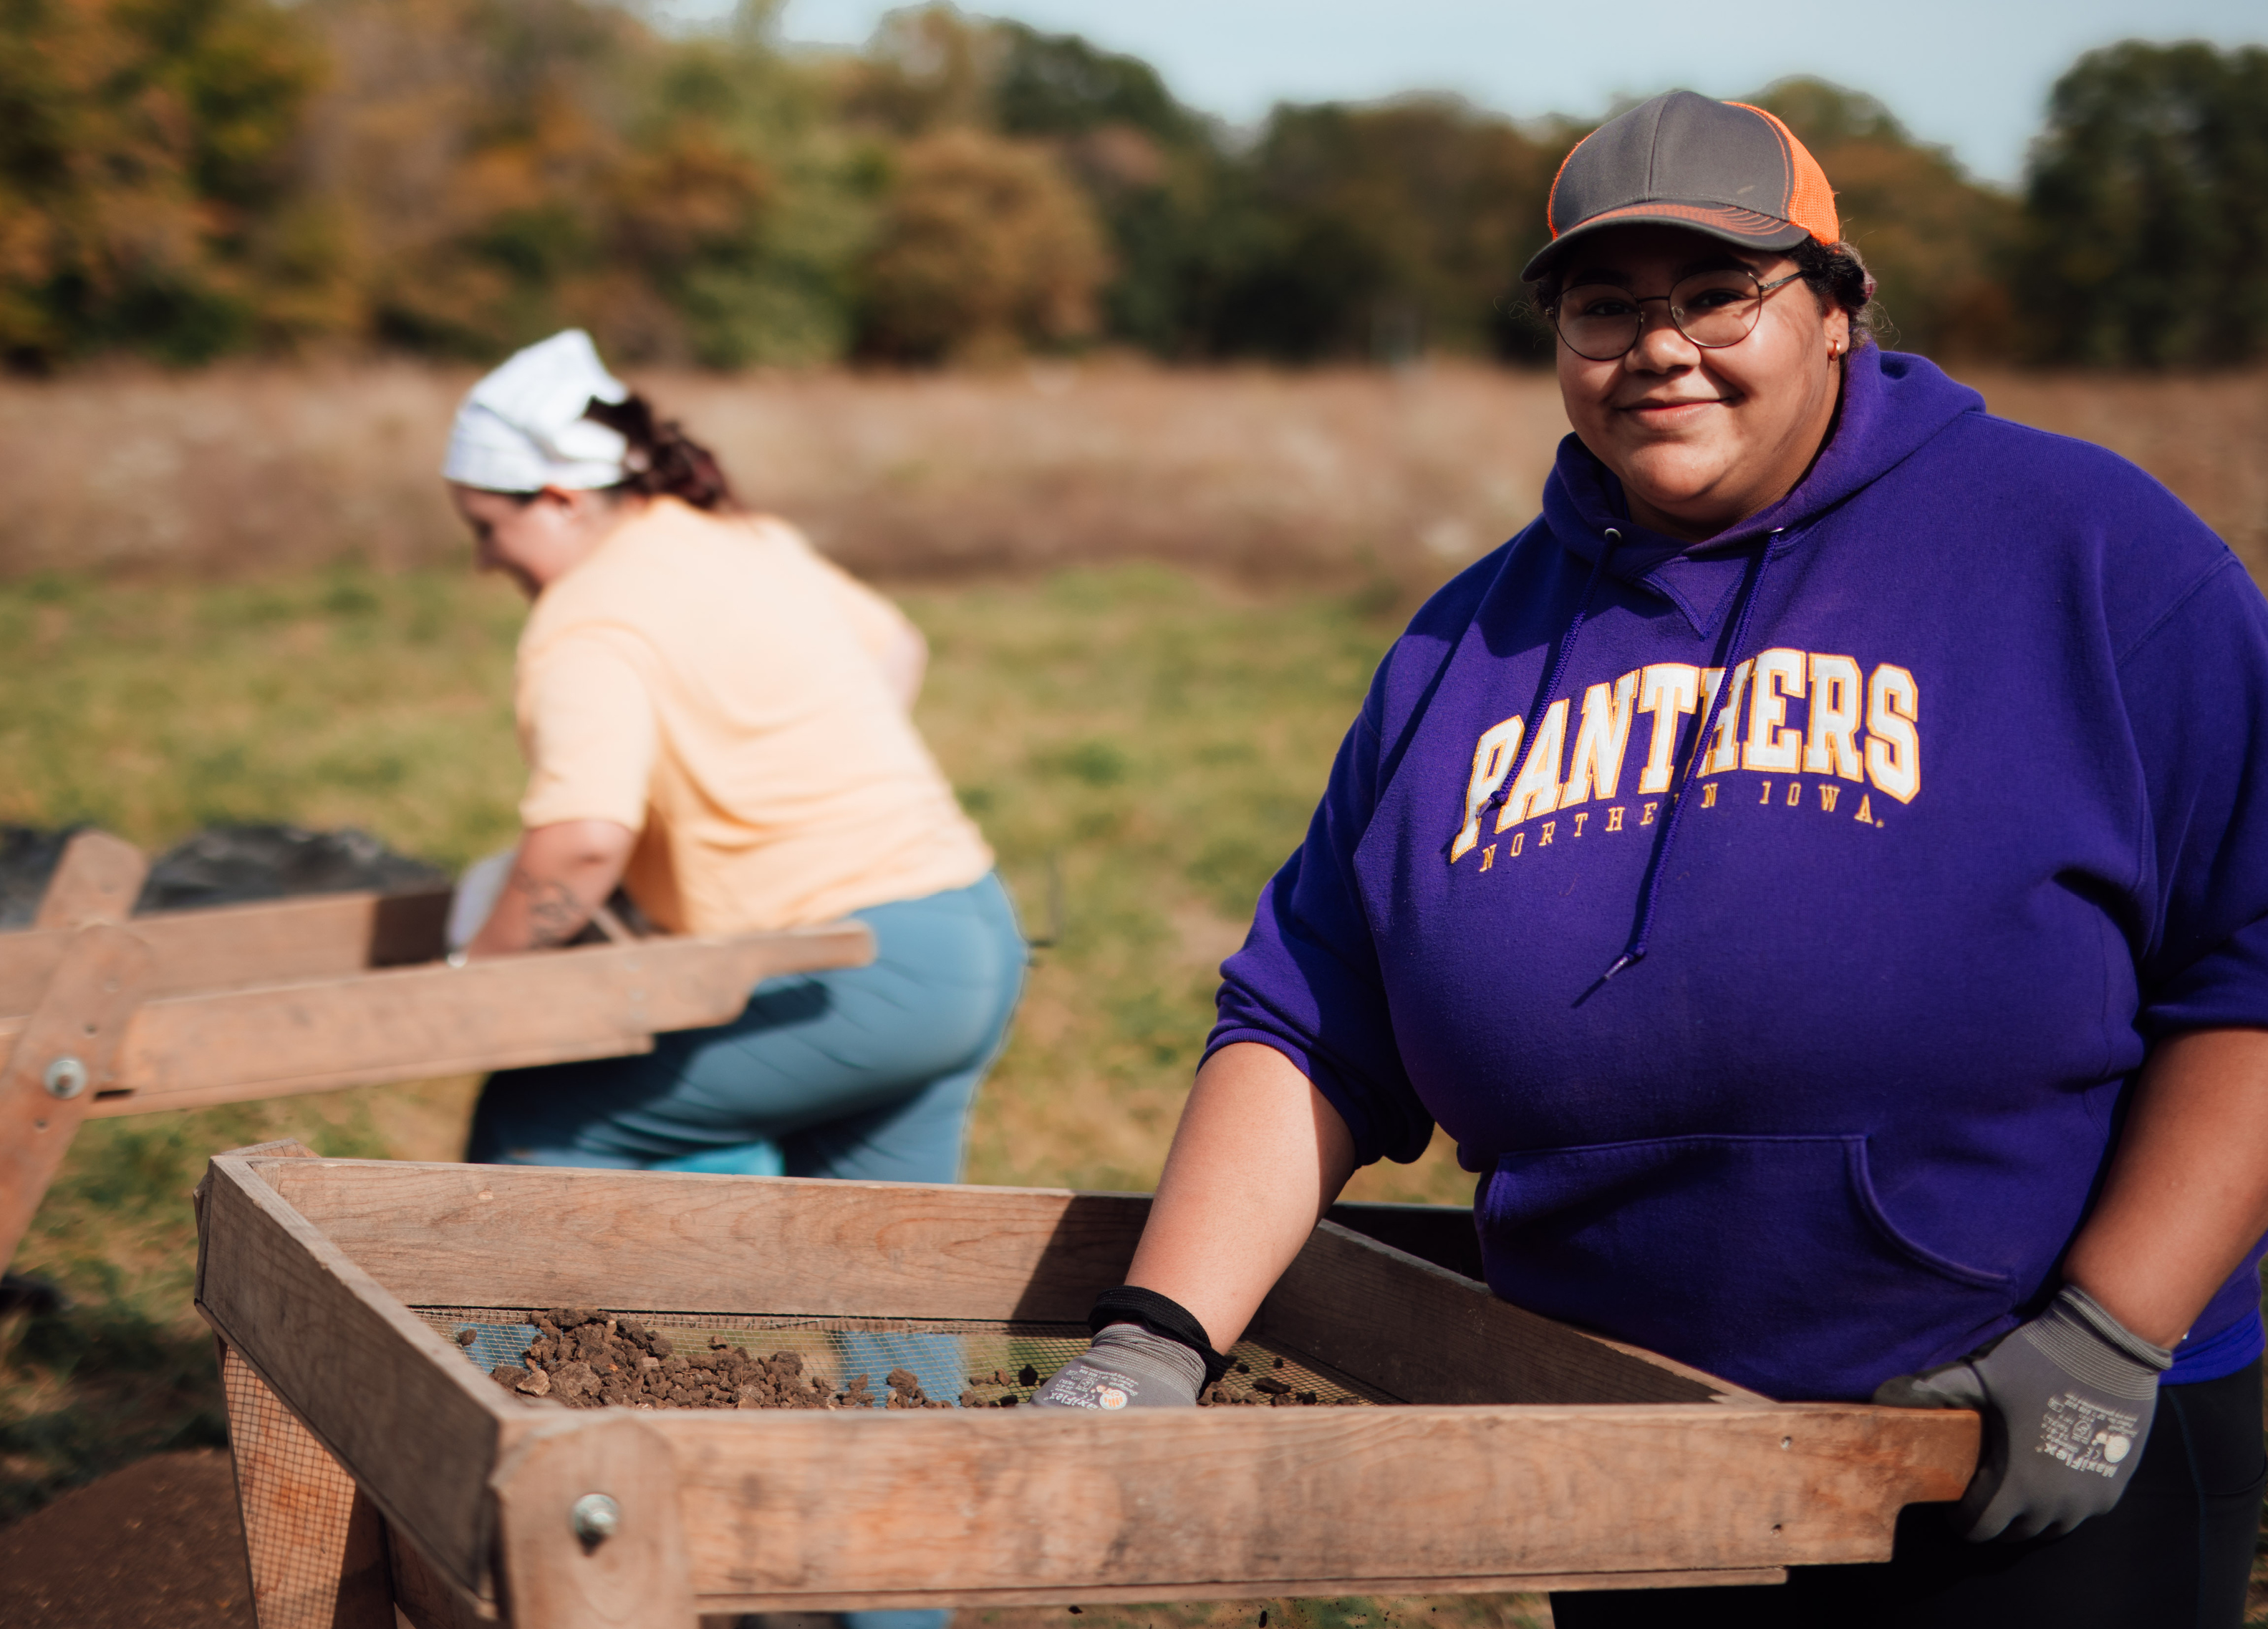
x: 597, y: 1518
x: 61, y: 1059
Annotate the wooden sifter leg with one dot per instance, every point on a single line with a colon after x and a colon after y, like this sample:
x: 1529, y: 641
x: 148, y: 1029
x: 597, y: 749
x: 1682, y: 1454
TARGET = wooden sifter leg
x: 98, y: 880
x: 314, y: 1545
x: 62, y: 1056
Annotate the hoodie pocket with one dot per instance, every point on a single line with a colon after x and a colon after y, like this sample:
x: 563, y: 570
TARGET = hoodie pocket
x: 1766, y: 1260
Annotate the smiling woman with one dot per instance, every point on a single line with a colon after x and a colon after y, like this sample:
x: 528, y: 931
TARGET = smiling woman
x: 1713, y: 405
x: 1883, y: 1015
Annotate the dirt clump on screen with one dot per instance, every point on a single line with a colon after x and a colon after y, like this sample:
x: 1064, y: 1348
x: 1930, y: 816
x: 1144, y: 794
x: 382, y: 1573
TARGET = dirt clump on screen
x: 1240, y: 1388
x: 584, y: 1358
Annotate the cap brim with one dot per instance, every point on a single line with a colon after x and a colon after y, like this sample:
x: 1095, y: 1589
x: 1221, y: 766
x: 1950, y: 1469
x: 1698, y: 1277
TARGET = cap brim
x: 1744, y: 228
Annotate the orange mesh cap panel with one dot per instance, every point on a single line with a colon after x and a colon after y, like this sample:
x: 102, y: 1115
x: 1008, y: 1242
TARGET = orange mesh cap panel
x: 1811, y: 200
x: 1727, y: 169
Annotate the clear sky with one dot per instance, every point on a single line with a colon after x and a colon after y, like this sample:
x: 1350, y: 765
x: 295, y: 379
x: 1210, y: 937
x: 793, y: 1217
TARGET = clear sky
x: 1972, y: 74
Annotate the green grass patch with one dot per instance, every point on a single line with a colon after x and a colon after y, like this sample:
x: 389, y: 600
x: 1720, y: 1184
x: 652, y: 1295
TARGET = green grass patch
x: 343, y: 698
x: 1144, y: 750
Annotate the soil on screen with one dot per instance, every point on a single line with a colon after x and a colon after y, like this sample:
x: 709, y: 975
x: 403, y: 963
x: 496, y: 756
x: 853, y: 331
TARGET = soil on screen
x: 585, y: 1356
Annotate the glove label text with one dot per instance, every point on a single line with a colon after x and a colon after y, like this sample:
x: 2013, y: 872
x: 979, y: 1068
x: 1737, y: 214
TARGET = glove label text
x: 2084, y: 1434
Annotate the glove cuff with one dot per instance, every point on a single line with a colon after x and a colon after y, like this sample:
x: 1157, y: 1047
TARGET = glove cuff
x: 1161, y: 1315
x: 2090, y: 1312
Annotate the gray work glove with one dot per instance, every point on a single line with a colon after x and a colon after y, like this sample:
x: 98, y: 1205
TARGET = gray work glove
x: 1126, y: 1367
x: 2068, y: 1401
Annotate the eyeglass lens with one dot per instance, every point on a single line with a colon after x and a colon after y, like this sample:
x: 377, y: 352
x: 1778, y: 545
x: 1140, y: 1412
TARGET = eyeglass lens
x: 1713, y: 309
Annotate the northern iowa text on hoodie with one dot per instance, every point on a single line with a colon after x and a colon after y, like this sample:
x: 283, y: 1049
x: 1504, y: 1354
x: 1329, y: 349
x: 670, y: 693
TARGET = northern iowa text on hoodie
x: 1964, y: 743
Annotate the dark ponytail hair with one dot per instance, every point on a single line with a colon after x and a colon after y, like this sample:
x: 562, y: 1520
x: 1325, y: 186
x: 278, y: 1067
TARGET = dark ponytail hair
x: 663, y: 461
x: 1837, y: 275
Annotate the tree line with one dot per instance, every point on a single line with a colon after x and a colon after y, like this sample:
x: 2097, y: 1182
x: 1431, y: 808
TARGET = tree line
x: 189, y: 178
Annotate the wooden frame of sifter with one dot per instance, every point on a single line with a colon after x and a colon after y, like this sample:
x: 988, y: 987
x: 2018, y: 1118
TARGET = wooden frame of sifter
x: 1528, y: 1456
x: 103, y: 1013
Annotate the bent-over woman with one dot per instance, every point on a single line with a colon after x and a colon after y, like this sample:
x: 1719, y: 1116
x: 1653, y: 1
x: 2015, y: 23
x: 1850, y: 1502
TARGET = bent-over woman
x: 716, y: 718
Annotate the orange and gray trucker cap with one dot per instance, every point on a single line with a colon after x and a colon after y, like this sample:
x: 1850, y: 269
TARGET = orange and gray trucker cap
x: 1723, y: 168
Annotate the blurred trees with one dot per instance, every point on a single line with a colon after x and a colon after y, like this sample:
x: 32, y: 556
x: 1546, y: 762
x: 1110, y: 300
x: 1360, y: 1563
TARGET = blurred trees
x: 1387, y: 230
x: 148, y: 152
x: 504, y: 168
x: 1155, y: 174
x: 1340, y: 232
x: 187, y: 178
x: 985, y: 242
x: 1937, y: 242
x: 2146, y: 214
x: 984, y: 247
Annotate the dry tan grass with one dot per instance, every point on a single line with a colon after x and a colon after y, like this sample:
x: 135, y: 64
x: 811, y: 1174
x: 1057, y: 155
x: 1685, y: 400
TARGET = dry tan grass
x: 1337, y: 476
x: 2206, y: 438
x: 905, y: 476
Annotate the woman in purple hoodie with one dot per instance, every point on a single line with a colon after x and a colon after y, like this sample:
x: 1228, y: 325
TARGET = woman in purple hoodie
x: 1818, y: 872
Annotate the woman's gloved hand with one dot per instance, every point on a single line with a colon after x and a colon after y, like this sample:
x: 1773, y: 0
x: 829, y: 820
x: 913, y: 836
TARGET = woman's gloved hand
x: 1126, y: 1367
x: 2068, y: 1401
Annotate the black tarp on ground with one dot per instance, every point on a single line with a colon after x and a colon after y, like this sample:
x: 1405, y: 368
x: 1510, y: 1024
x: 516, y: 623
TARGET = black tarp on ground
x: 221, y: 865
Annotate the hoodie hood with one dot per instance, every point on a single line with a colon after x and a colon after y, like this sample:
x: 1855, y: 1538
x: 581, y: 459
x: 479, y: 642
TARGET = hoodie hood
x: 1893, y: 403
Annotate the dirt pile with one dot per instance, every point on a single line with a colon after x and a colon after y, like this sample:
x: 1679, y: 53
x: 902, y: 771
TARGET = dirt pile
x: 159, y: 1543
x: 1240, y: 1388
x: 584, y: 1358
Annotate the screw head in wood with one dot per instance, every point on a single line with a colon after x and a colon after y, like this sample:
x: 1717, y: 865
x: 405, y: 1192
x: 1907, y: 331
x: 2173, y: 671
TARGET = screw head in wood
x: 597, y: 1518
x: 66, y: 1077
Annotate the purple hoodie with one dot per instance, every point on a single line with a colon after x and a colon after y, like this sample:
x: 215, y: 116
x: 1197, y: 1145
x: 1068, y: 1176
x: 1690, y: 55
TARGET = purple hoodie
x: 1983, y: 809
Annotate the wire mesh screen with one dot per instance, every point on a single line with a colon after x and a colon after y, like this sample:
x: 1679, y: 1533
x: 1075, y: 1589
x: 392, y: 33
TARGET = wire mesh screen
x: 970, y: 1364
x: 308, y: 1543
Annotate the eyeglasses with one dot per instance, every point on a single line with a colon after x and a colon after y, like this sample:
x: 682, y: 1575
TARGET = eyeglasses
x: 1601, y: 322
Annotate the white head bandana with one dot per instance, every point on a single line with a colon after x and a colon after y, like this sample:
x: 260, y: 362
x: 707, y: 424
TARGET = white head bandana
x: 522, y: 429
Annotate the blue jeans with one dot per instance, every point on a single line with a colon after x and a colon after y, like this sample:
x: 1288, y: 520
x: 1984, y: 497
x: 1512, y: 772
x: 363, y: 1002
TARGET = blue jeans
x: 865, y: 1072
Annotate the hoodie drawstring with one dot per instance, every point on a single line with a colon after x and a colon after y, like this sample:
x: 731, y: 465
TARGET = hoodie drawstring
x: 1658, y: 863
x: 1558, y: 672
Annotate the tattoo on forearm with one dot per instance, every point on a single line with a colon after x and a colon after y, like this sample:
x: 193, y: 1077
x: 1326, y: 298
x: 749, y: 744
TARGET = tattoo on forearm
x: 553, y: 914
